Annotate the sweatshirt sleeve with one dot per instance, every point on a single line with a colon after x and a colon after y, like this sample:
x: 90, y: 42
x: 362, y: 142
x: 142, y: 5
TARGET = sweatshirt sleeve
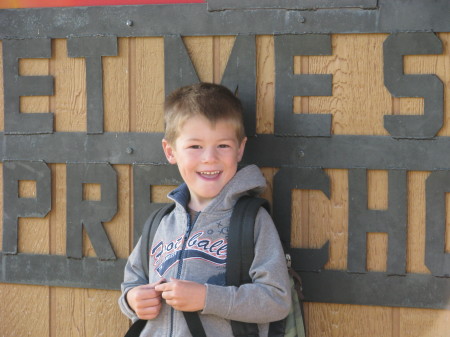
x: 268, y: 297
x: 133, y: 276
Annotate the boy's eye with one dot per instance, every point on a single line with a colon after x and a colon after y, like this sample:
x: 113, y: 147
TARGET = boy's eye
x: 194, y: 147
x: 223, y: 146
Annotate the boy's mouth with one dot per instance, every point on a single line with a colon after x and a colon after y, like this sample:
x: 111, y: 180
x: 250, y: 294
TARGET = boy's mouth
x: 209, y: 174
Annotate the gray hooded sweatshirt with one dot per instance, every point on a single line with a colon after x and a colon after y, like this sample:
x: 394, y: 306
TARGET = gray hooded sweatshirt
x: 196, y: 251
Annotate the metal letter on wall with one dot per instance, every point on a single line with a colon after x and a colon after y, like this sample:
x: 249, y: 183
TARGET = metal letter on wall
x: 362, y: 221
x: 179, y: 70
x: 15, y: 206
x: 93, y: 48
x: 436, y: 259
x: 428, y: 86
x: 240, y: 77
x: 90, y: 213
x: 289, y: 85
x: 285, y: 180
x: 17, y: 86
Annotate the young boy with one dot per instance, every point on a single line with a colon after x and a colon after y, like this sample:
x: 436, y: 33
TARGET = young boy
x: 205, y: 137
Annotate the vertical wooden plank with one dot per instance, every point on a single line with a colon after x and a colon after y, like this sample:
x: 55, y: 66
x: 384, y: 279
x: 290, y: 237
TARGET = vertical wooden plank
x: 222, y: 47
x: 348, y: 320
x: 200, y: 50
x: 69, y: 106
x: 116, y: 89
x: 60, y: 298
x: 88, y: 312
x: 423, y: 322
x: 359, y: 99
x: 443, y: 71
x: 316, y: 220
x: 377, y: 243
x: 118, y: 228
x: 148, y: 81
x: 415, y: 258
x: 33, y: 232
x: 25, y: 308
x: 69, y: 101
x: 265, y: 84
x: 329, y: 219
x: 102, y: 313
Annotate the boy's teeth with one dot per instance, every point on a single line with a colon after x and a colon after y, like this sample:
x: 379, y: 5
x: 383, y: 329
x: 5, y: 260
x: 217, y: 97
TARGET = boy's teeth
x: 210, y: 173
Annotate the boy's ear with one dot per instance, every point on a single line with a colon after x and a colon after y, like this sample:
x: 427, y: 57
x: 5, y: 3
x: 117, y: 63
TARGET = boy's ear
x: 241, y: 149
x: 169, y: 152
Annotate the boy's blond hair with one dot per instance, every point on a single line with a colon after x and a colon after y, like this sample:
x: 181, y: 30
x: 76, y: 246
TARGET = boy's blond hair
x: 212, y: 101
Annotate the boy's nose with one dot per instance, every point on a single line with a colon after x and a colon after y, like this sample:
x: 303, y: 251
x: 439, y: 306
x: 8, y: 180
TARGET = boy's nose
x: 209, y: 155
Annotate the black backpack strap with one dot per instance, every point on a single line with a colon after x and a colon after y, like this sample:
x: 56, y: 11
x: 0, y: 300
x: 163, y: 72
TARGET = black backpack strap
x: 136, y: 329
x: 277, y: 329
x: 194, y: 324
x: 241, y: 252
x: 148, y: 233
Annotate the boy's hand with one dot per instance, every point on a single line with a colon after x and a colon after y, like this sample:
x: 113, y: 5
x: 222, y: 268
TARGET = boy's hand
x: 145, y: 300
x: 183, y: 295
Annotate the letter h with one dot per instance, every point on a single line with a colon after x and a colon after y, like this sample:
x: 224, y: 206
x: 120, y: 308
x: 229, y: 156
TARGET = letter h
x: 392, y: 221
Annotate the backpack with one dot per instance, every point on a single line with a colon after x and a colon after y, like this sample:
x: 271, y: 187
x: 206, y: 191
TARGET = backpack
x: 240, y: 255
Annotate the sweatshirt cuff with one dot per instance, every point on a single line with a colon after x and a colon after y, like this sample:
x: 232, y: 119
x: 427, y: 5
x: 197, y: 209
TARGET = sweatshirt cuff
x: 125, y: 307
x: 218, y: 300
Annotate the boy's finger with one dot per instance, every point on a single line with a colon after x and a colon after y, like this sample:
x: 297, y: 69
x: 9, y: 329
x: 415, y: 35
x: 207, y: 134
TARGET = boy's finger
x: 151, y: 302
x: 161, y: 287
x: 165, y: 285
x: 146, y: 287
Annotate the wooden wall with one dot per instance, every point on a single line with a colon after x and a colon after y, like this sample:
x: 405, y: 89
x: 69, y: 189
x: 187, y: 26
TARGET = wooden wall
x: 133, y: 98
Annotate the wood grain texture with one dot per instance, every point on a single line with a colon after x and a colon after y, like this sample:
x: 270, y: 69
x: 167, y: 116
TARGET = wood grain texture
x: 69, y: 100
x: 133, y: 101
x: 147, y: 76
x: 116, y: 89
x: 222, y: 47
x: 265, y: 84
x: 359, y: 99
x: 377, y: 199
x: 200, y: 50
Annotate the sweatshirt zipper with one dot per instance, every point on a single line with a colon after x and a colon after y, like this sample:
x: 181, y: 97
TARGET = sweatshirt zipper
x: 180, y: 262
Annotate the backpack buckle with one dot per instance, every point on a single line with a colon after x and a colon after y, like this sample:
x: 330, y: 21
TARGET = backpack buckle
x: 288, y: 260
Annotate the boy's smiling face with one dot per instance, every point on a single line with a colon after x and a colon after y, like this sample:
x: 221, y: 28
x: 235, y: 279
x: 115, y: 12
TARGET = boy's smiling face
x: 207, y: 156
